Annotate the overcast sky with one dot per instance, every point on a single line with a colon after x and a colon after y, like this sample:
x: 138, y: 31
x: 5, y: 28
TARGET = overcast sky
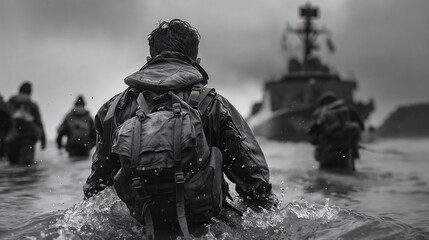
x: 86, y: 47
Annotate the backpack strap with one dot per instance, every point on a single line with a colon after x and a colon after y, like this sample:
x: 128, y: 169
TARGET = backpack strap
x: 144, y: 106
x: 142, y: 198
x: 179, y: 175
x: 108, y: 124
x: 201, y: 98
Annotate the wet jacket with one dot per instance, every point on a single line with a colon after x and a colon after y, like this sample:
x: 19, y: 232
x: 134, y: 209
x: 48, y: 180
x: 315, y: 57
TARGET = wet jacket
x: 36, y: 130
x: 224, y: 127
x: 65, y: 129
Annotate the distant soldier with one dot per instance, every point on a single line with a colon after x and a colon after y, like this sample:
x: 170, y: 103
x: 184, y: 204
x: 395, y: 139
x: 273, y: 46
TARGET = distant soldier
x: 27, y: 127
x: 79, y: 128
x: 335, y: 132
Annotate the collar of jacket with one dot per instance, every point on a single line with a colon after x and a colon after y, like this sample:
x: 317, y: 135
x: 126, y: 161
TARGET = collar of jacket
x: 168, y: 71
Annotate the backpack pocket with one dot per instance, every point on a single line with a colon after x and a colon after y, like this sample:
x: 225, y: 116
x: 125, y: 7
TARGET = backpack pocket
x: 126, y: 192
x: 203, y: 192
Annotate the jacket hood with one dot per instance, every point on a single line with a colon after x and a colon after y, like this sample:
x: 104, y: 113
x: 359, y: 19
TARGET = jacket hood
x: 168, y: 71
x: 79, y: 111
x: 21, y: 97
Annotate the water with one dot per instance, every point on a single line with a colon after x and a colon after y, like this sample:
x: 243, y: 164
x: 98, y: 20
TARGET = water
x: 387, y: 199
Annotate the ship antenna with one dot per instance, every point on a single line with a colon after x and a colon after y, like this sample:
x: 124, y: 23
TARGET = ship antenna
x: 308, y: 32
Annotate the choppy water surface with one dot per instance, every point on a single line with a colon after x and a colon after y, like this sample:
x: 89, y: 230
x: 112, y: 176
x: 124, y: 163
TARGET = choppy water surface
x: 387, y: 199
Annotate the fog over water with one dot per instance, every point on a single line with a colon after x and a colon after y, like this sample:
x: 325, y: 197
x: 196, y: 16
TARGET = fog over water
x: 71, y: 47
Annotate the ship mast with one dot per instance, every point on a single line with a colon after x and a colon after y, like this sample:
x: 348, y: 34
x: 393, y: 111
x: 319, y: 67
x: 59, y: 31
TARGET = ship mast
x: 308, y: 32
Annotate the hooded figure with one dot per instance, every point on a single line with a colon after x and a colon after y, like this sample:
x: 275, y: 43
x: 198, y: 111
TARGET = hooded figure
x: 27, y: 127
x: 79, y: 128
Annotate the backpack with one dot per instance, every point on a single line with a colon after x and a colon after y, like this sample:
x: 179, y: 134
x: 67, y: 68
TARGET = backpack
x: 23, y: 113
x: 23, y: 124
x: 333, y: 117
x: 79, y: 130
x: 169, y: 175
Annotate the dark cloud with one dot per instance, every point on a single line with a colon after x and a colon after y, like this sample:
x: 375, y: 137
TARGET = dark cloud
x: 385, y: 44
x: 72, y: 47
x: 72, y: 19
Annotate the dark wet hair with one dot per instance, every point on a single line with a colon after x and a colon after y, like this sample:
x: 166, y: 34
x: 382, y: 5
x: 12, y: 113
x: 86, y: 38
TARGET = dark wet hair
x: 25, y: 88
x: 176, y: 35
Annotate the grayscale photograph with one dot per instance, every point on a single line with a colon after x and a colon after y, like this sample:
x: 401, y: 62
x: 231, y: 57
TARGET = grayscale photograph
x: 214, y: 120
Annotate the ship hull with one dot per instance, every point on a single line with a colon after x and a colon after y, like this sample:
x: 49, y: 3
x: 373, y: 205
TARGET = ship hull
x: 285, y: 126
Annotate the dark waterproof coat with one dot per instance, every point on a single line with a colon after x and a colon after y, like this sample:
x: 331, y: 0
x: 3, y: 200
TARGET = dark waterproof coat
x: 37, y: 131
x: 66, y: 128
x: 319, y: 136
x: 224, y: 127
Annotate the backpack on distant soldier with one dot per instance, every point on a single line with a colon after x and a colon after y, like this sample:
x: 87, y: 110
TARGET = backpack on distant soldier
x: 79, y: 130
x: 336, y: 127
x: 24, y: 124
x: 169, y: 175
x: 23, y: 113
x: 333, y: 117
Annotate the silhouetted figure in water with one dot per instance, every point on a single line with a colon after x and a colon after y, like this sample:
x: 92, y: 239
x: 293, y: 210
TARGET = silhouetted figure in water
x: 335, y: 132
x: 27, y: 127
x: 78, y: 127
x: 5, y: 124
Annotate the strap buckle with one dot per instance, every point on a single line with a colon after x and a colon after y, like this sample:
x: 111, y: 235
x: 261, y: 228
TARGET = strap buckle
x: 177, y: 109
x: 137, y: 183
x: 179, y: 177
x: 140, y: 114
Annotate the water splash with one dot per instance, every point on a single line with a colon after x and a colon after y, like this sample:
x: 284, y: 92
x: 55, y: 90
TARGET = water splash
x: 313, y: 211
x: 103, y: 216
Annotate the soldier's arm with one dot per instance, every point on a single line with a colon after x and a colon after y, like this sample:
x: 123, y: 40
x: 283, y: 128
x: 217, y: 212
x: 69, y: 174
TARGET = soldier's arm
x: 354, y: 116
x: 244, y: 161
x: 92, y: 133
x: 62, y: 131
x: 38, y: 122
x: 103, y: 168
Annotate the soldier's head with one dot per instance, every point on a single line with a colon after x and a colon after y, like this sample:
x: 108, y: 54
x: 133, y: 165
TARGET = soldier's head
x: 25, y: 88
x: 176, y: 35
x: 80, y: 101
x: 327, y: 98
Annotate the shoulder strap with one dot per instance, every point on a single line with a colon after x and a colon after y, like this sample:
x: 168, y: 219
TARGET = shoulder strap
x: 201, y: 98
x: 108, y: 124
x: 179, y: 175
x: 144, y: 106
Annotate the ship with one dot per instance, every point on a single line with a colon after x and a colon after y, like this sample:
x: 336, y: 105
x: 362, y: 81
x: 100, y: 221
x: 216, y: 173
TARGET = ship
x: 284, y: 113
